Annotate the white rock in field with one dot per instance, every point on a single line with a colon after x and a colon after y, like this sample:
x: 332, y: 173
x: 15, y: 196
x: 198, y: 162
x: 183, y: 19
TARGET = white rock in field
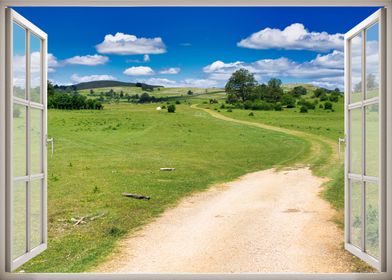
x: 159, y: 108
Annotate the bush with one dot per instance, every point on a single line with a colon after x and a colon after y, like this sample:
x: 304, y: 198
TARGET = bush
x: 171, y: 108
x: 321, y: 106
x: 229, y: 110
x: 278, y: 107
x: 262, y: 105
x: 163, y: 107
x: 303, y: 109
x: 251, y: 114
x: 222, y: 106
x: 178, y: 102
x: 334, y: 97
x: 328, y: 106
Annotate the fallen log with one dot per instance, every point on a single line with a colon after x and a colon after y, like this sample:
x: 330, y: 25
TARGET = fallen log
x: 136, y: 196
x: 167, y: 169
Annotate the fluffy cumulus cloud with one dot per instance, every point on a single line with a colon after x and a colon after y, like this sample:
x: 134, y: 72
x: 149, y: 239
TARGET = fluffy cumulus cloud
x: 83, y: 79
x: 89, y: 60
x: 52, y: 62
x: 293, y: 37
x: 125, y: 44
x: 170, y: 71
x: 138, y: 71
x: 326, y: 69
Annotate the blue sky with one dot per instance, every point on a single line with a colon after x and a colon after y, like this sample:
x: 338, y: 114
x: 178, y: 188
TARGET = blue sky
x: 196, y: 46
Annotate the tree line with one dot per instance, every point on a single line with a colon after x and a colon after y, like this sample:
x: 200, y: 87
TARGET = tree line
x: 243, y: 91
x: 67, y: 99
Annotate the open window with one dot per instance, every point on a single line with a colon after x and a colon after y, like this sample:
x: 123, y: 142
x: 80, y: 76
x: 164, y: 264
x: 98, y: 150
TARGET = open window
x: 365, y: 134
x: 26, y: 134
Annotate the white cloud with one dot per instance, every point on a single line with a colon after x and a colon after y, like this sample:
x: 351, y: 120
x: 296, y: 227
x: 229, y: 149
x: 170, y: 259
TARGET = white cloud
x: 293, y: 37
x: 171, y: 70
x: 89, y: 60
x: 52, y: 62
x: 83, y: 79
x: 146, y: 58
x: 138, y: 71
x: 125, y: 44
x: 319, y: 69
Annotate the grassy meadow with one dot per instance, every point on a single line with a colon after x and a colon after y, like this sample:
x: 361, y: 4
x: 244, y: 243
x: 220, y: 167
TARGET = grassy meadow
x: 101, y: 153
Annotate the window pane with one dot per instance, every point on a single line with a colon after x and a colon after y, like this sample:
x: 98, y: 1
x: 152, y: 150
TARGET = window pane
x: 19, y: 61
x: 35, y: 68
x: 372, y: 220
x: 35, y: 141
x: 356, y: 209
x: 356, y: 141
x: 35, y: 213
x: 356, y: 68
x: 372, y: 140
x: 19, y: 140
x: 372, y: 62
x: 18, y: 219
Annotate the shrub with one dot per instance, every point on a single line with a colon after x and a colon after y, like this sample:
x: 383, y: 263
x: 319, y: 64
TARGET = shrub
x: 328, y: 106
x: 229, y: 110
x: 251, y: 114
x: 171, y: 108
x: 222, y: 106
x: 278, y: 107
x: 321, y: 106
x: 163, y: 107
x: 303, y: 109
x: 262, y: 105
x: 334, y: 97
x: 178, y: 102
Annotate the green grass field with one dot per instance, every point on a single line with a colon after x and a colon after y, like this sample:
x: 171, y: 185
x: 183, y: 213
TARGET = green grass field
x: 100, y: 154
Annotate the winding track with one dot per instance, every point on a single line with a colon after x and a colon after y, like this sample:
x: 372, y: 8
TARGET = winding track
x: 266, y: 221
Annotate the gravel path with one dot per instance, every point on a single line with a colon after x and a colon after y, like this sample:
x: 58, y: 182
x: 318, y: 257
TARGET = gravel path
x: 267, y: 221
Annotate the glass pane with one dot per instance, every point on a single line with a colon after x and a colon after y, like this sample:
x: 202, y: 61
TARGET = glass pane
x: 19, y: 61
x: 372, y: 62
x: 356, y: 68
x: 18, y: 219
x: 372, y: 220
x: 35, y: 213
x: 35, y: 68
x: 372, y: 140
x: 355, y: 217
x: 356, y: 141
x: 35, y: 141
x: 19, y: 140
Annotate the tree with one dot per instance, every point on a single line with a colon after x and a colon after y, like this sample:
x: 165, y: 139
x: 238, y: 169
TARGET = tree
x: 328, y: 106
x: 190, y: 92
x: 171, y: 108
x: 240, y: 85
x: 51, y: 89
x: 298, y: 91
x: 144, y: 98
x: 319, y: 92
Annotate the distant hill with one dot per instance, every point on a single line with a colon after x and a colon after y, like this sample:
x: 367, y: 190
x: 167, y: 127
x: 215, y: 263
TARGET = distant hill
x: 106, y: 84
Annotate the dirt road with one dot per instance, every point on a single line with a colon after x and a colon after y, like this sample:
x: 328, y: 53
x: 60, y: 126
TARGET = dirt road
x: 265, y: 221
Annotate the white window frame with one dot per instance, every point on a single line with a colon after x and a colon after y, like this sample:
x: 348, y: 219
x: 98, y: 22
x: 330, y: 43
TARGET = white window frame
x: 377, y: 17
x: 30, y: 29
x: 223, y: 3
